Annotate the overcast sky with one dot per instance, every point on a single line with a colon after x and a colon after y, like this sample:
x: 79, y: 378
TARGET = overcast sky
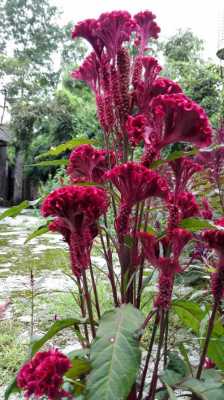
x: 202, y: 16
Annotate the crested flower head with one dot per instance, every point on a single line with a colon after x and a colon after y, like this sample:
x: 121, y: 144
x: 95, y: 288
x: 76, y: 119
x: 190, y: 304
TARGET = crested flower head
x: 136, y: 183
x: 87, y: 29
x: 184, y: 168
x: 176, y: 118
x: 89, y: 164
x: 77, y: 210
x: 77, y: 205
x: 206, y: 210
x: 135, y: 127
x: 187, y: 203
x: 43, y: 375
x: 146, y: 27
x: 88, y: 71
x: 179, y: 238
x: 114, y: 28
x: 164, y: 86
x: 215, y: 237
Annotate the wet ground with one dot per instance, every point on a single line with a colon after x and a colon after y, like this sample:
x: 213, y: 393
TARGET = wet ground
x: 35, y: 279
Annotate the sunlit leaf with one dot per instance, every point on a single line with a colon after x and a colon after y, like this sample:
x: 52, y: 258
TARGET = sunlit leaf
x: 15, y: 210
x: 61, y: 148
x: 38, y: 232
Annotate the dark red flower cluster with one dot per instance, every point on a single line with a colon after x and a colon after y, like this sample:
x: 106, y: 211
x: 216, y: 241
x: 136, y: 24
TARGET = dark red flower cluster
x: 77, y: 210
x: 214, y: 238
x: 184, y: 168
x: 163, y: 85
x: 135, y: 128
x: 146, y: 28
x: 135, y: 183
x: 89, y: 164
x: 176, y: 118
x: 168, y: 266
x: 43, y: 375
x: 88, y: 72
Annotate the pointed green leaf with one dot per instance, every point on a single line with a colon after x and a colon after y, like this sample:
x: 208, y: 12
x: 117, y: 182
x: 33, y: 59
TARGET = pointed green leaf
x: 54, y: 329
x: 115, y: 354
x: 61, y: 148
x: 79, y: 367
x: 15, y: 210
x: 196, y: 224
x: 173, y: 156
x: 50, y: 163
x: 38, y: 232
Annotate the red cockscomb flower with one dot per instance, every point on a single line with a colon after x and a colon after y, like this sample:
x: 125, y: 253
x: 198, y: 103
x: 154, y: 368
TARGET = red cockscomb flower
x: 77, y: 210
x: 89, y: 164
x: 87, y: 29
x: 114, y: 28
x: 146, y: 27
x: 215, y: 240
x: 163, y: 85
x: 183, y: 168
x: 43, y: 375
x: 135, y: 127
x: 135, y: 183
x: 187, y: 203
x: 176, y: 118
x: 150, y: 68
x: 88, y: 72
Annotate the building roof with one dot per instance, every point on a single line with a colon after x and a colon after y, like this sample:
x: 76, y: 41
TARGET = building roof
x: 4, y: 134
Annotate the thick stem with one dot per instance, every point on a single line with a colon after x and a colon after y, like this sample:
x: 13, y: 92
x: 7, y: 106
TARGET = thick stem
x: 83, y: 311
x: 88, y: 303
x: 108, y: 258
x: 145, y: 369
x: 166, y: 337
x: 208, y: 337
x: 97, y: 304
x: 152, y: 389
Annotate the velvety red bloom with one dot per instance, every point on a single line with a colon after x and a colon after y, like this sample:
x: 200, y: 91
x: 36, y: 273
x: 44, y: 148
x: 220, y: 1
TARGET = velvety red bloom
x: 168, y: 266
x: 77, y: 210
x: 135, y: 127
x: 176, y: 118
x: 88, y: 72
x: 164, y: 86
x: 206, y: 210
x: 215, y: 237
x: 135, y: 183
x: 89, y: 164
x: 87, y: 29
x: 188, y: 205
x: 150, y: 69
x: 146, y: 27
x: 43, y: 375
x: 179, y: 238
x: 183, y: 168
x: 114, y: 28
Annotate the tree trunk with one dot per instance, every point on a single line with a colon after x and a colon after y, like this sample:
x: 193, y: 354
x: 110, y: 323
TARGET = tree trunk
x: 18, y: 177
x: 3, y: 174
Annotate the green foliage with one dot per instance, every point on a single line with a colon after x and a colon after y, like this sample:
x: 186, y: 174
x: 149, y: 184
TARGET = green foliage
x: 115, y: 354
x: 14, y: 211
x: 199, y: 79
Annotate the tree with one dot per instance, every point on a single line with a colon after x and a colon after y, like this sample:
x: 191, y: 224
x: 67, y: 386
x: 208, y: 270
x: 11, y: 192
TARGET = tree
x: 31, y: 37
x: 200, y: 79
